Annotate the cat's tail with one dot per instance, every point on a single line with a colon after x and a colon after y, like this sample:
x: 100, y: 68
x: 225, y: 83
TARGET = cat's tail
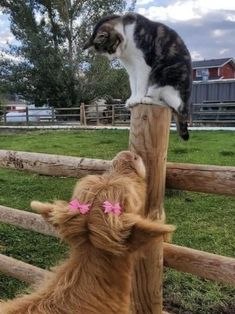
x: 182, y: 125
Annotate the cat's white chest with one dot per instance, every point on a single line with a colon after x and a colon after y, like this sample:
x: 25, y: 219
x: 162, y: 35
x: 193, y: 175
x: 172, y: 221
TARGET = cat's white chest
x: 129, y: 53
x: 133, y: 60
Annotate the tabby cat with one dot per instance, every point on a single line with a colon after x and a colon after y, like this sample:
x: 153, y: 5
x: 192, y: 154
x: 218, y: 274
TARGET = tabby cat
x: 155, y: 57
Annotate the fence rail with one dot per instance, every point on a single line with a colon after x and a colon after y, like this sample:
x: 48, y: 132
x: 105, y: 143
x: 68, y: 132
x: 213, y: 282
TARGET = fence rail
x: 22, y: 271
x: 84, y: 115
x: 199, y: 263
x: 202, y: 178
x: 213, y: 113
x: 189, y: 177
x: 206, y: 113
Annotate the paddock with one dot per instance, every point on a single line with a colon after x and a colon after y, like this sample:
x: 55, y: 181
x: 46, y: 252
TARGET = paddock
x: 189, y: 177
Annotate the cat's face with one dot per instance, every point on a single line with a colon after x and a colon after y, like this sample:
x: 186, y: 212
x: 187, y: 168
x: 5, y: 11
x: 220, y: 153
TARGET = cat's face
x: 106, y: 40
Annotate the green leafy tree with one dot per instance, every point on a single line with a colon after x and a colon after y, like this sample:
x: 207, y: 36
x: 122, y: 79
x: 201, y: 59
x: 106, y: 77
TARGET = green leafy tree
x: 49, y: 65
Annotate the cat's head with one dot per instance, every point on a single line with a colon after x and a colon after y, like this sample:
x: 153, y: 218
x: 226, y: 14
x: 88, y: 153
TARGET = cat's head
x: 106, y: 38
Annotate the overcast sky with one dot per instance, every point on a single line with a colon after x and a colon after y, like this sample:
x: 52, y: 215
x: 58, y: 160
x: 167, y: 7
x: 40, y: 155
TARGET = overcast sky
x: 207, y: 26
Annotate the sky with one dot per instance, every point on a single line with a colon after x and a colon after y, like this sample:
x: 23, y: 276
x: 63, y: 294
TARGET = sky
x: 206, y: 26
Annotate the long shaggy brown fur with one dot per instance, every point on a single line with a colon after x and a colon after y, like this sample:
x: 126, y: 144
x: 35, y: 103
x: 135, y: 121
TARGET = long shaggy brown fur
x: 96, y: 277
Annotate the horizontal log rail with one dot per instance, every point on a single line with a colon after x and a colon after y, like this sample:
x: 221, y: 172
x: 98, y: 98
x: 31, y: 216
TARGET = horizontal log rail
x: 201, y: 178
x: 188, y: 177
x: 25, y: 220
x: 202, y: 264
x: 20, y: 270
x: 52, y: 165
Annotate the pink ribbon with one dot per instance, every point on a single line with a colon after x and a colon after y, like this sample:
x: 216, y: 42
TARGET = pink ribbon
x: 112, y: 208
x: 76, y: 206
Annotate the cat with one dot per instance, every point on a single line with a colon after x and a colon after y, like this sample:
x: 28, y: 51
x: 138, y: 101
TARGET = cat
x: 155, y: 57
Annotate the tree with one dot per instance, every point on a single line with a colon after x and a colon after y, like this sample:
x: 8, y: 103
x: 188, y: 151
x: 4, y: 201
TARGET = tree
x: 103, y: 80
x: 49, y: 64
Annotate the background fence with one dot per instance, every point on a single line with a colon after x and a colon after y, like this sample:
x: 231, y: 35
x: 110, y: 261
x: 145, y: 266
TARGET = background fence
x: 213, y: 103
x: 208, y: 113
x: 84, y: 115
x: 214, y: 90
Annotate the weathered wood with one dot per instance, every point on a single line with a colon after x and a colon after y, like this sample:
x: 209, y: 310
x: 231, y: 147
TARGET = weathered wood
x: 201, y: 178
x: 54, y: 165
x: 149, y: 134
x: 205, y: 265
x: 188, y: 177
x: 22, y: 271
x: 82, y: 114
x: 26, y: 220
x: 184, y: 259
x: 113, y: 115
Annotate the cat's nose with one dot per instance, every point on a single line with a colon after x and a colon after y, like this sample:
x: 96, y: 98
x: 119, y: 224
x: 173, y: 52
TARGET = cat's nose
x: 88, y: 44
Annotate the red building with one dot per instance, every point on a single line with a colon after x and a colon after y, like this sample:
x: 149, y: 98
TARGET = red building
x: 214, y: 69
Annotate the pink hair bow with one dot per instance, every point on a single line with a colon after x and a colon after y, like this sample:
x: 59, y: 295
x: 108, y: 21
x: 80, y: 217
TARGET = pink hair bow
x: 76, y: 206
x: 112, y: 208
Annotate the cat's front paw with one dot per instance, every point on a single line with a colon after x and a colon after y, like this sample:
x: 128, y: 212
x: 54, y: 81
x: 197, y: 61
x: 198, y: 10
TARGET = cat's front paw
x: 147, y: 100
x: 133, y: 101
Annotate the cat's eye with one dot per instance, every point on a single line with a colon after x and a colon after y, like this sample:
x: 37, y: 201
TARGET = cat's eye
x: 102, y: 35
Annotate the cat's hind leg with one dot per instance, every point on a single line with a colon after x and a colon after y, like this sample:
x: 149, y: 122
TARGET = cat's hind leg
x: 153, y: 96
x: 169, y: 96
x: 172, y: 97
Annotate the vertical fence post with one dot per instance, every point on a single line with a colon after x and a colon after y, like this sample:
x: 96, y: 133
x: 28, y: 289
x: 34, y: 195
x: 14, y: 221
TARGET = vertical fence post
x: 113, y: 115
x: 191, y: 108
x: 83, y: 114
x: 53, y: 115
x: 97, y: 112
x: 27, y: 115
x: 149, y: 136
x: 5, y: 115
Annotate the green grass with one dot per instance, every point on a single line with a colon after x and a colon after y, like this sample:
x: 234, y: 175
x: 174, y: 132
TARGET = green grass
x: 217, y: 148
x: 204, y: 222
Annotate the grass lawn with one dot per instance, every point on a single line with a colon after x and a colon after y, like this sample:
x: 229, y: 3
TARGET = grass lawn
x: 204, y: 222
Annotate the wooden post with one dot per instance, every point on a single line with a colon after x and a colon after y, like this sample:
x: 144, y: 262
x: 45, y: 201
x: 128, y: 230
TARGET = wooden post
x: 149, y: 136
x: 27, y: 116
x: 97, y: 112
x: 81, y: 113
x: 190, y: 118
x: 53, y: 115
x: 113, y: 115
x: 84, y: 115
x: 5, y: 115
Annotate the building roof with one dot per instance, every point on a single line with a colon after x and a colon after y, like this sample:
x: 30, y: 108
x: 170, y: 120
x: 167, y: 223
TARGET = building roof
x: 213, y: 63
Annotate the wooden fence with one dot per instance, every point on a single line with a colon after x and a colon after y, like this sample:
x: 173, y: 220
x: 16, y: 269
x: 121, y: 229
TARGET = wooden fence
x: 211, y: 113
x: 202, y: 264
x: 199, y: 178
x: 86, y: 114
